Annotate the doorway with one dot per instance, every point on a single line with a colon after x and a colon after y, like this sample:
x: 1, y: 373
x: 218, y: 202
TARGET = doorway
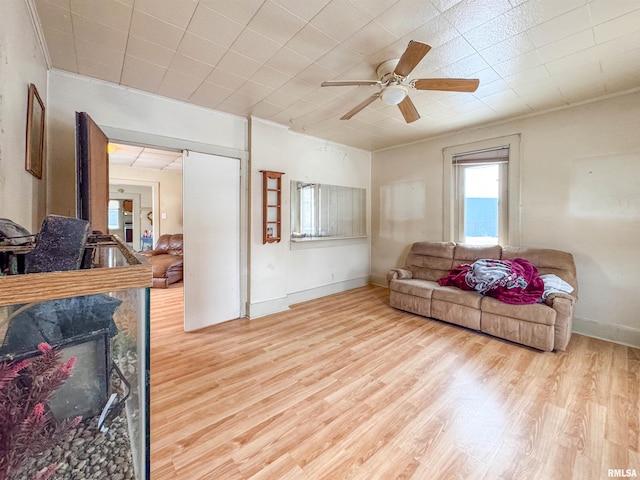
x: 240, y: 157
x: 155, y: 174
x: 129, y: 209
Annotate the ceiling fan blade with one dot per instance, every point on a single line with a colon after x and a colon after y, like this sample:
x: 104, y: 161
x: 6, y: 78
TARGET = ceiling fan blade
x: 446, y: 84
x: 408, y: 110
x: 411, y: 57
x: 347, y: 83
x: 360, y: 106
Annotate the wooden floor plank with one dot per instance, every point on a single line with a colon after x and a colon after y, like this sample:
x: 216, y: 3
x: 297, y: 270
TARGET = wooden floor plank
x: 347, y: 387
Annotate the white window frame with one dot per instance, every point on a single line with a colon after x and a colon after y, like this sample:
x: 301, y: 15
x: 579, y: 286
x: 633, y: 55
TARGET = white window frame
x: 459, y: 197
x: 450, y: 226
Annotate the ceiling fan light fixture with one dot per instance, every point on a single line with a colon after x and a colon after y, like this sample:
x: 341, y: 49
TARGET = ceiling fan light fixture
x: 394, y: 83
x: 394, y: 94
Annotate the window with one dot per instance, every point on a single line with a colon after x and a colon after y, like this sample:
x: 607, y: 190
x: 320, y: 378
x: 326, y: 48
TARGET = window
x: 327, y: 211
x: 480, y: 196
x: 482, y: 192
x: 114, y: 215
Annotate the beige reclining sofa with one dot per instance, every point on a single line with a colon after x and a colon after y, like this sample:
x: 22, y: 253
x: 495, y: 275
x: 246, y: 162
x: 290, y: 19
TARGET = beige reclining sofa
x: 544, y: 326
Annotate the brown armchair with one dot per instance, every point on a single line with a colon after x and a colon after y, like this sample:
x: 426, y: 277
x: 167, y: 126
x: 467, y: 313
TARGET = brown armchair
x: 166, y: 260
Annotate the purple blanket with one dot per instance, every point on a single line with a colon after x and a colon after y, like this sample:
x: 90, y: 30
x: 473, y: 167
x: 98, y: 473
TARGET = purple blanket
x: 511, y: 281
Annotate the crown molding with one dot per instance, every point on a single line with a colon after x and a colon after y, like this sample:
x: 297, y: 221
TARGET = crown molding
x: 37, y: 28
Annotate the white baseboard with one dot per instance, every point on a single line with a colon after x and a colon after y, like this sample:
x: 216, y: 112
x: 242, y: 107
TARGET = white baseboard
x: 260, y: 309
x: 606, y: 331
x: 379, y: 280
x: 313, y: 293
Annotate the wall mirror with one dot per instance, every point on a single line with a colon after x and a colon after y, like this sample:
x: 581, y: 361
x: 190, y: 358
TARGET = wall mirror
x: 322, y: 211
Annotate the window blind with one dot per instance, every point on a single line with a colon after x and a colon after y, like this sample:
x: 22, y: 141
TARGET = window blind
x: 478, y: 157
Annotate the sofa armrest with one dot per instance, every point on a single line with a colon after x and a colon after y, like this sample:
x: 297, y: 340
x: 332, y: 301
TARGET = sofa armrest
x: 562, y: 303
x: 398, y: 274
x: 560, y: 298
x: 151, y: 253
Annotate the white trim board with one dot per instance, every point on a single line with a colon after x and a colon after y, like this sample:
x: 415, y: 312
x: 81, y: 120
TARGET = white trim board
x: 621, y: 334
x: 379, y: 280
x: 261, y: 309
x: 177, y: 144
x: 323, y: 291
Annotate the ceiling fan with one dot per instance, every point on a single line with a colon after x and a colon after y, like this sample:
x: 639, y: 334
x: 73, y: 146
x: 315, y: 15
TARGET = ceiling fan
x: 395, y: 85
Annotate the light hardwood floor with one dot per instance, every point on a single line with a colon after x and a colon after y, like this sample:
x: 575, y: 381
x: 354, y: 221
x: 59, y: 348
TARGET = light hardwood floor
x: 347, y: 387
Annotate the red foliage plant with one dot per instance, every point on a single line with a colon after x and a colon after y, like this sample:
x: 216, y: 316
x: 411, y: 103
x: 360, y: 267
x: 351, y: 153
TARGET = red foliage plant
x: 26, y: 428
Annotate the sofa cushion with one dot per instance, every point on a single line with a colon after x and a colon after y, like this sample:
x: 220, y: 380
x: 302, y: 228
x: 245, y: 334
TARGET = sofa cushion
x: 177, y: 266
x: 410, y: 303
x: 534, y: 313
x: 430, y: 260
x: 163, y: 244
x: 457, y: 296
x: 454, y: 313
x: 536, y: 335
x: 167, y: 243
x: 175, y: 244
x: 161, y: 264
x: 547, y: 261
x: 456, y: 306
x: 465, y: 253
x: 415, y: 287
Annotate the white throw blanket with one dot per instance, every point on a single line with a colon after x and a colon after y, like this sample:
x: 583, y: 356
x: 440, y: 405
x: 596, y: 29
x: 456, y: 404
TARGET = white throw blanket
x: 554, y: 284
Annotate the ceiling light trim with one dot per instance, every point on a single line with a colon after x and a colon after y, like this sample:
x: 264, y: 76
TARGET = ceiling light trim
x: 394, y: 94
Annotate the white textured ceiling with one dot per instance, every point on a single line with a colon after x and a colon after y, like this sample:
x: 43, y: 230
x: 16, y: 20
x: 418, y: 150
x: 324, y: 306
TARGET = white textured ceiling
x: 144, y: 157
x: 268, y: 57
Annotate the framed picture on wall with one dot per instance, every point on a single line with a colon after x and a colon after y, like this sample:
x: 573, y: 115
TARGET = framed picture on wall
x: 35, y: 133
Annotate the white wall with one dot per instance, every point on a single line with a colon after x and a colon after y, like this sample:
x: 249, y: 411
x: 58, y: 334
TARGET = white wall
x: 169, y: 194
x: 267, y: 263
x: 315, y: 267
x: 22, y: 196
x: 580, y: 192
x: 115, y: 107
x: 282, y: 275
